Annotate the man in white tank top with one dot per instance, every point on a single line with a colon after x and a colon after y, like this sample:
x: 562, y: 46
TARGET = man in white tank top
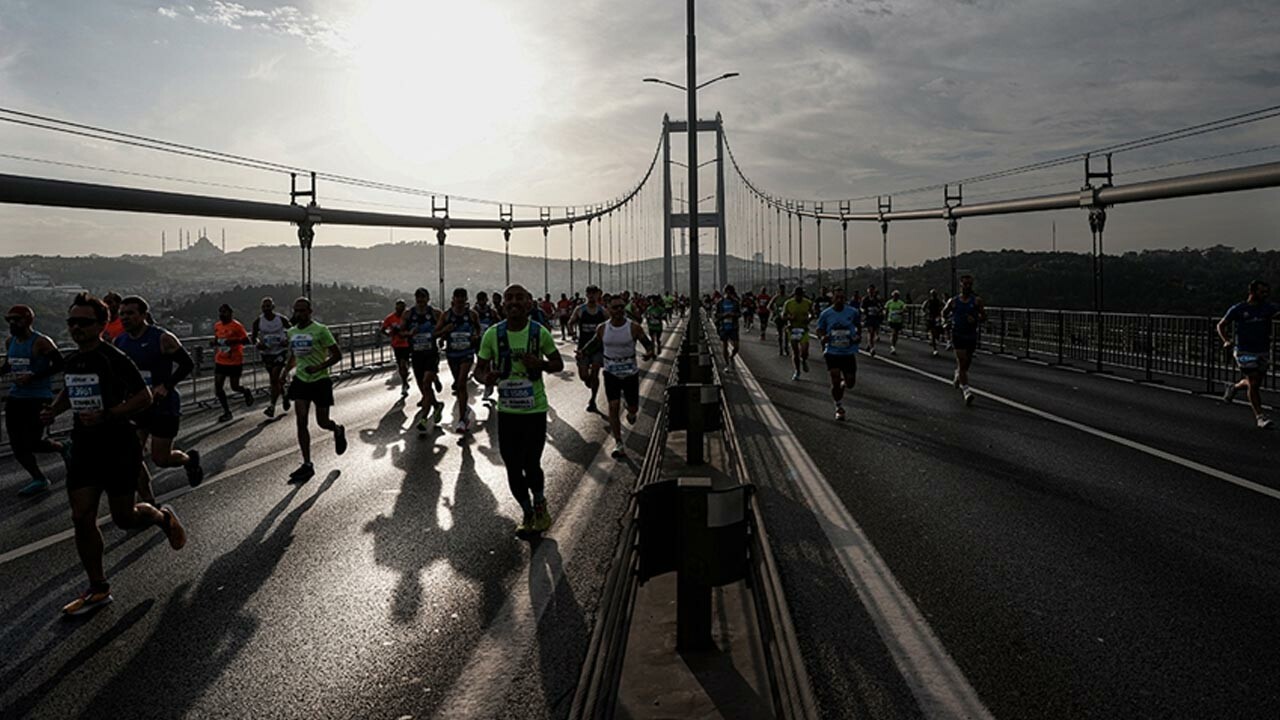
x: 271, y: 338
x: 618, y: 338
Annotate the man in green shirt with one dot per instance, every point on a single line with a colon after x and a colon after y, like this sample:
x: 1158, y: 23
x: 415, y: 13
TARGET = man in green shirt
x: 895, y: 313
x: 314, y: 351
x: 516, y: 362
x: 654, y: 316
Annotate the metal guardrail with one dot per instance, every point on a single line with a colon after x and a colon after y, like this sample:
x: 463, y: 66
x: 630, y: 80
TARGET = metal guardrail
x: 1182, y: 346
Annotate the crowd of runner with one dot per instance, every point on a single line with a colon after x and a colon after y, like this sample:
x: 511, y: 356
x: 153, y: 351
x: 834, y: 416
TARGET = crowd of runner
x: 122, y: 381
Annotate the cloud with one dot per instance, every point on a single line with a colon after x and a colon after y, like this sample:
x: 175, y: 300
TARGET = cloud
x: 285, y: 20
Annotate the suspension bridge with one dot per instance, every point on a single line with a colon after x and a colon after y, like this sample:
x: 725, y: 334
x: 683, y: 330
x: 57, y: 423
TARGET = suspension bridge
x: 1093, y: 537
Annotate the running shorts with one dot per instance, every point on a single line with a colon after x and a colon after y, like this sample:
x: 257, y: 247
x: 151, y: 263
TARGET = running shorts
x: 22, y: 420
x: 455, y: 367
x: 596, y: 358
x: 802, y: 340
x: 157, y: 424
x: 627, y: 388
x: 731, y: 334
x: 229, y: 371
x: 107, y: 457
x: 968, y: 343
x: 1248, y: 362
x: 318, y: 392
x: 425, y: 361
x: 846, y: 364
x: 271, y: 361
x: 896, y: 326
x: 402, y: 354
x: 873, y: 322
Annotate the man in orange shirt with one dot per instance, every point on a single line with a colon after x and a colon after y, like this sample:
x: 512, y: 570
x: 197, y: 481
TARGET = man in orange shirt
x: 399, y: 345
x: 229, y: 339
x: 115, y: 326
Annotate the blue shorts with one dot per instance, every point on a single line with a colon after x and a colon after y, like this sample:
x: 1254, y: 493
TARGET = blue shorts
x: 727, y: 335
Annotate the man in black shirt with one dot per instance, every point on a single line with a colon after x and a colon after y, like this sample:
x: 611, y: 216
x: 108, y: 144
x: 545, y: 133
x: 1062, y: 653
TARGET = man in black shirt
x: 103, y: 388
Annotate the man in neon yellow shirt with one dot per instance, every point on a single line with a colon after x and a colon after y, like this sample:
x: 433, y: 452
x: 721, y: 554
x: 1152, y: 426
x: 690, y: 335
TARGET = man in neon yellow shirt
x: 514, y: 355
x: 797, y: 312
x: 314, y: 351
x: 895, y: 312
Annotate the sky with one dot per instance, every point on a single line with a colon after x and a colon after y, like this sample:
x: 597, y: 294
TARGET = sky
x: 540, y: 102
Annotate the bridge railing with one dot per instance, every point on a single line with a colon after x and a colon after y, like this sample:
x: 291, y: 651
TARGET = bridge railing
x: 1181, y: 346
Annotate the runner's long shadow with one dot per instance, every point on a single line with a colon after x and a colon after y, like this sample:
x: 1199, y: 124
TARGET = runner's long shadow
x: 390, y: 428
x: 203, y: 651
x: 563, y: 633
x: 481, y: 545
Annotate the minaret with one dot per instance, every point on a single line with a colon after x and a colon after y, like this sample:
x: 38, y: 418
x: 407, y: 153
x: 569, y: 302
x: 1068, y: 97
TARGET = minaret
x: 224, y: 240
x: 161, y: 243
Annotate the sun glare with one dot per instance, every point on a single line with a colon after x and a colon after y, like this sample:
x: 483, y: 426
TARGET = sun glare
x: 432, y: 78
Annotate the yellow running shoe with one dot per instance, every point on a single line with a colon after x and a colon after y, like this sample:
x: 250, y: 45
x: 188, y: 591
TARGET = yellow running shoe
x: 541, y: 518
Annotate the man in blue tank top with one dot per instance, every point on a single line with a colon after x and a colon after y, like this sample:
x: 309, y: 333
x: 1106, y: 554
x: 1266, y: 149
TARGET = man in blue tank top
x: 728, y: 313
x: 967, y: 313
x: 163, y: 363
x: 840, y: 332
x: 420, y: 324
x: 1252, y: 319
x: 31, y: 360
x: 461, y: 334
x: 583, y: 321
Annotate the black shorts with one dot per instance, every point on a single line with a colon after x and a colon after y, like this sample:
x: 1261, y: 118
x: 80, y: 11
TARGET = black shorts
x: 847, y: 364
x: 895, y: 326
x: 595, y: 358
x: 22, y: 420
x: 425, y: 361
x: 455, y: 366
x: 402, y: 353
x: 873, y: 323
x: 968, y: 343
x: 275, y: 360
x: 157, y: 424
x: 228, y: 371
x: 107, y: 457
x: 318, y: 392
x: 627, y: 388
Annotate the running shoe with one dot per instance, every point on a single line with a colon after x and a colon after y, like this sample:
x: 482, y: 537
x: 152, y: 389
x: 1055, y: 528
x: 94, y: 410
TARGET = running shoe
x: 592, y: 407
x: 284, y: 402
x: 872, y: 351
x: 35, y: 487
x: 305, y: 472
x: 935, y: 353
x: 619, y: 451
x: 1264, y: 422
x: 631, y: 418
x: 541, y: 518
x: 795, y: 375
x: 270, y: 411
x: 438, y: 412
x: 1230, y: 393
x: 195, y: 473
x: 840, y: 415
x: 804, y: 364
x: 968, y: 397
x: 173, y: 528
x: 526, y: 525
x: 225, y: 417
x: 248, y: 397
x: 893, y: 349
x: 340, y: 439
x: 88, y: 600
x: 424, y: 426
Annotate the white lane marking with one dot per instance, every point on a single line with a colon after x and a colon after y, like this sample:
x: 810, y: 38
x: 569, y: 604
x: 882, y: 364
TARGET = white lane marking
x: 940, y: 688
x: 500, y: 654
x: 56, y: 538
x: 1119, y: 440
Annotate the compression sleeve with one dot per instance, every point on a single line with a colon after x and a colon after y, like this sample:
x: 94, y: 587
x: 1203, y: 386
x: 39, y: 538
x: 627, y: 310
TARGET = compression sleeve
x: 185, y: 364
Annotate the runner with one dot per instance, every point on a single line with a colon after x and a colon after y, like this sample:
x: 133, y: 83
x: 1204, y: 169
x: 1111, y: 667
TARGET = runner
x: 669, y: 304
x: 488, y: 316
x: 461, y: 331
x: 780, y: 319
x: 822, y: 302
x: 839, y: 331
x: 514, y: 355
x: 103, y: 388
x: 797, y: 312
x: 564, y: 308
x: 399, y: 345
x: 1252, y: 345
x: 728, y: 313
x: 618, y: 339
x: 314, y: 352
x: 114, y: 327
x: 967, y: 313
x: 164, y: 363
x: 763, y: 305
x: 419, y: 328
x: 654, y: 316
x: 32, y: 359
x: 271, y: 337
x: 583, y: 321
x: 932, y: 310
x: 872, y: 314
x: 229, y: 337
x: 895, y: 313
x: 748, y: 311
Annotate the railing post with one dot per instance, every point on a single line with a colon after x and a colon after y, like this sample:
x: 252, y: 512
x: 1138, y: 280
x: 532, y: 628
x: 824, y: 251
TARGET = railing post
x: 1211, y: 358
x: 1062, y: 326
x: 1151, y: 342
x: 1026, y: 334
x: 1002, y: 330
x: 693, y: 592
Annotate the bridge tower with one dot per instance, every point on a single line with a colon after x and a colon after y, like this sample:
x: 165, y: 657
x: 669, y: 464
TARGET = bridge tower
x: 673, y: 220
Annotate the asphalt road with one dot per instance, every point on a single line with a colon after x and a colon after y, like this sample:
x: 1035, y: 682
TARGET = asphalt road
x: 1074, y: 562
x: 390, y: 585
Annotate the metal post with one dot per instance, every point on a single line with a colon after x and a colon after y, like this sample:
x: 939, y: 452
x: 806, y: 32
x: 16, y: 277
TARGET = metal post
x: 952, y: 226
x: 723, y: 241
x: 571, y: 213
x: 695, y: 290
x: 506, y: 216
x: 885, y: 206
x: 441, y: 211
x: 668, y: 269
x: 440, y: 237
x: 693, y: 594
x: 844, y: 231
x: 791, y: 255
x: 817, y: 209
x: 545, y: 215
x: 1097, y: 223
x: 800, y: 238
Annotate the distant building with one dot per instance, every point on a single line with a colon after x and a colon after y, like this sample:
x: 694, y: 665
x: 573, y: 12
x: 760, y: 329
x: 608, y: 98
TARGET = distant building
x: 35, y: 282
x: 202, y: 249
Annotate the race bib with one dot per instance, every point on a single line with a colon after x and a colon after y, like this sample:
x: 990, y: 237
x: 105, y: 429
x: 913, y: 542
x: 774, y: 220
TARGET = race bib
x: 84, y: 391
x: 460, y: 341
x: 224, y: 346
x: 726, y: 325
x: 620, y: 368
x: 301, y: 344
x: 841, y: 338
x: 797, y: 334
x: 20, y: 365
x: 273, y: 342
x: 146, y: 377
x: 516, y: 394
x: 423, y: 341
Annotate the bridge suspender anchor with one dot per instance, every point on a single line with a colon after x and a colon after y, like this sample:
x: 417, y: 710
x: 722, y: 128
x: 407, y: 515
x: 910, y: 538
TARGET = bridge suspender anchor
x: 441, y: 211
x: 1097, y: 222
x: 306, y: 228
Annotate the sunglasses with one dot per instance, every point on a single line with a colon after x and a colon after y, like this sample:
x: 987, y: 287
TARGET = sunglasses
x: 14, y: 318
x: 81, y: 322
